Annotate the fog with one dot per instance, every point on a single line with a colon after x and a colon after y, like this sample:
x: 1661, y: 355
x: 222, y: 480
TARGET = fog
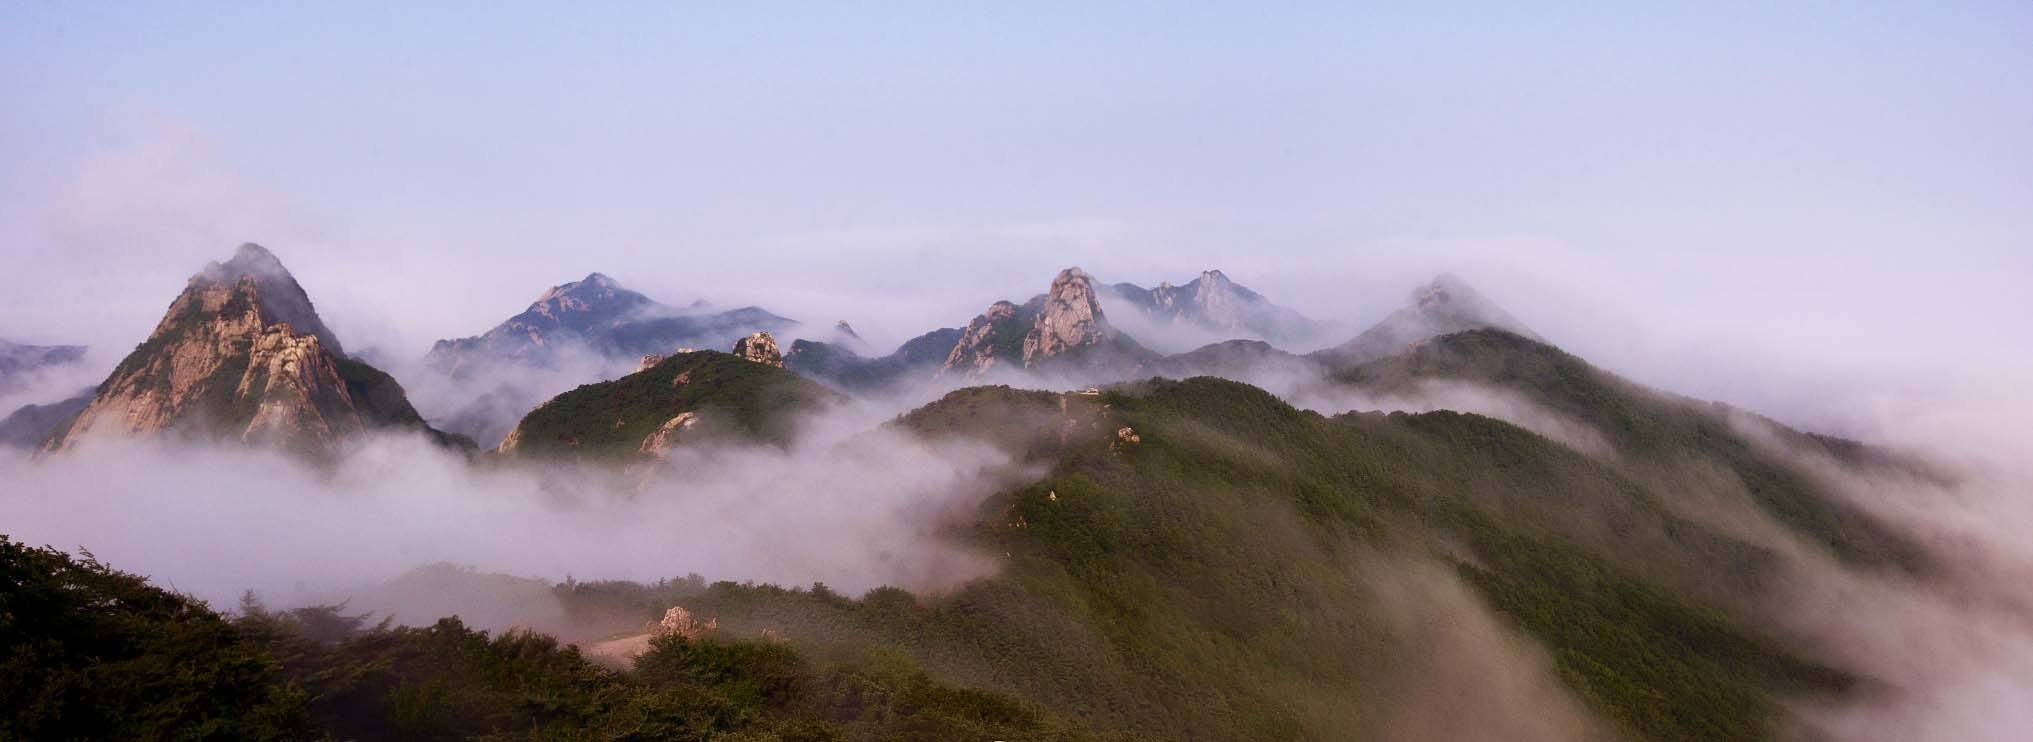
x: 855, y: 511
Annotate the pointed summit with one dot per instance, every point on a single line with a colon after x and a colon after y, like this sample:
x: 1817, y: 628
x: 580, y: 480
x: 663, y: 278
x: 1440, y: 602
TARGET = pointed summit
x: 1214, y: 302
x: 1442, y: 306
x: 242, y: 354
x: 282, y: 299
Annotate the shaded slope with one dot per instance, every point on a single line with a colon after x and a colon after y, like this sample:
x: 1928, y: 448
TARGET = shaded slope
x: 18, y: 362
x: 1191, y: 566
x: 30, y: 425
x: 598, y: 314
x: 840, y: 365
x: 1213, y: 303
x: 1660, y: 435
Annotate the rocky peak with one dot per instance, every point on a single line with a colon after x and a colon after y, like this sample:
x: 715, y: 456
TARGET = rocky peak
x: 596, y: 294
x: 1070, y: 318
x: 759, y: 348
x: 241, y: 354
x: 983, y: 338
x: 1220, y: 302
x: 278, y: 295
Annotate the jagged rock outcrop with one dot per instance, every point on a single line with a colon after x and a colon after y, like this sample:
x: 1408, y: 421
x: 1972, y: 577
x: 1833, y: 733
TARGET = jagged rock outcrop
x: 1070, y: 318
x: 759, y: 348
x: 990, y: 336
x: 679, y: 621
x: 242, y: 354
x: 1443, y: 306
x: 667, y: 434
x: 1063, y: 328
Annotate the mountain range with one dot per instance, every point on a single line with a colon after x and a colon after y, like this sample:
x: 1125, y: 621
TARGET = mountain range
x: 248, y: 319
x: 18, y: 361
x: 597, y: 316
x: 1184, y: 555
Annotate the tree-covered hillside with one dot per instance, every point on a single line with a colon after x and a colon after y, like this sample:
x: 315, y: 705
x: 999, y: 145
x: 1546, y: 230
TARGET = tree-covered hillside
x: 610, y: 420
x: 1192, y: 567
x: 88, y: 652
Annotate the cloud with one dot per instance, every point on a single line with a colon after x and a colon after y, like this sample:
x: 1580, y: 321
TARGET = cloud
x: 854, y: 511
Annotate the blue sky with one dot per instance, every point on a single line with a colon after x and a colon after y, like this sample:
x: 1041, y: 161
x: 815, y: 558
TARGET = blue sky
x: 1685, y: 192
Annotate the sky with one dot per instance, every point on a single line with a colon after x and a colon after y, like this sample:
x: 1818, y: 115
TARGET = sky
x: 1821, y: 211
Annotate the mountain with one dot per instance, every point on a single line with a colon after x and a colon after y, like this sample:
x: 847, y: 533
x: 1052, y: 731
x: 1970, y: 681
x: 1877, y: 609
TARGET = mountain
x: 1240, y: 360
x: 838, y: 364
x: 18, y: 361
x: 1061, y: 330
x: 241, y: 354
x: 30, y: 425
x: 1200, y: 560
x: 1444, y: 305
x: 688, y: 396
x: 597, y: 314
x: 1217, y: 305
x: 1663, y: 437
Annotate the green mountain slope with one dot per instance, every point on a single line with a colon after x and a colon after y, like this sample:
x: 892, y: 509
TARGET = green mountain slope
x: 1191, y: 568
x: 612, y: 420
x: 93, y: 653
x: 1663, y: 438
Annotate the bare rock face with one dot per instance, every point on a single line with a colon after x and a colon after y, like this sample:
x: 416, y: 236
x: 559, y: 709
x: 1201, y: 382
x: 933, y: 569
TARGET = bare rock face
x: 679, y: 621
x: 976, y: 351
x: 1071, y: 318
x: 240, y: 354
x: 300, y: 389
x: 666, y: 435
x: 759, y: 348
x: 648, y: 362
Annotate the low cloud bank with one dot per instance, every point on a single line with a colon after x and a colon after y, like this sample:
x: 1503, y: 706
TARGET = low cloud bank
x: 854, y: 511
